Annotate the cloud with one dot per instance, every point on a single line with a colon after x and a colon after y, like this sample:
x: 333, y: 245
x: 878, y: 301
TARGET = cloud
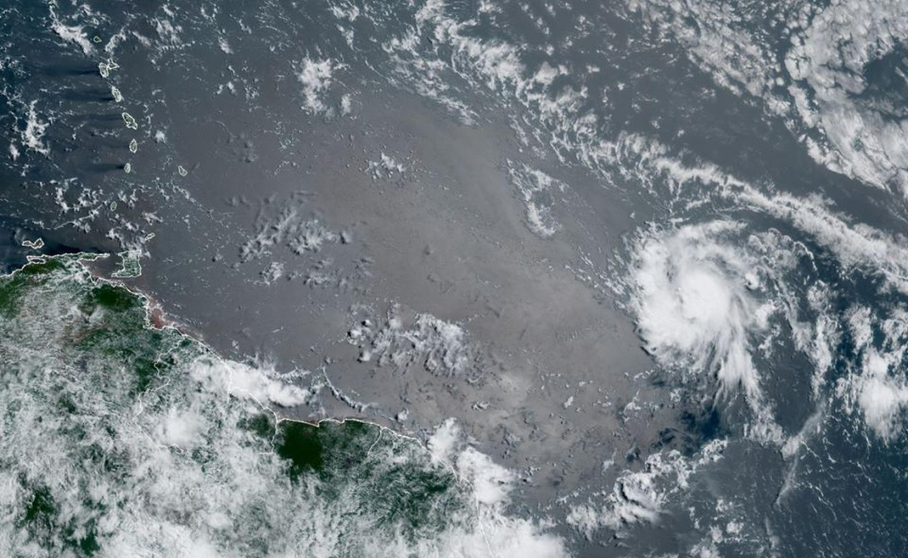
x: 499, y: 533
x: 820, y: 86
x: 163, y: 448
x: 881, y: 397
x: 536, y: 189
x: 694, y: 292
x: 692, y: 301
x: 827, y: 62
x: 440, y: 347
x: 316, y: 77
x: 875, y: 385
x: 641, y: 496
x: 686, y: 185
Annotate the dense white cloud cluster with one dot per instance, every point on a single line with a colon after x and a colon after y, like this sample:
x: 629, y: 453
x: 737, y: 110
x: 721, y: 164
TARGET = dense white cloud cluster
x: 812, y: 73
x: 827, y: 63
x: 684, y: 183
x: 440, y: 347
x: 641, y: 496
x: 536, y: 188
x: 317, y: 77
x: 702, y: 298
x: 693, y: 301
x: 157, y: 452
x: 724, y: 39
x: 499, y: 534
x: 290, y: 228
x: 694, y: 278
x: 876, y: 386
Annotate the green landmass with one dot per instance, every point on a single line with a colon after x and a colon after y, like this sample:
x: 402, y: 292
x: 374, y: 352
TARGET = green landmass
x: 122, y: 439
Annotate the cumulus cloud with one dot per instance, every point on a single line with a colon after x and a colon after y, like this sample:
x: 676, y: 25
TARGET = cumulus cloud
x: 320, y: 87
x: 500, y: 534
x: 246, y: 382
x: 315, y: 77
x: 693, y: 303
x: 858, y: 250
x: 537, y: 189
x: 820, y: 87
x: 876, y: 386
x: 640, y: 496
x: 73, y: 34
x: 720, y: 38
x: 32, y: 135
x: 695, y: 294
x: 438, y: 346
x: 686, y: 184
x: 170, y: 454
x: 827, y: 62
x: 880, y: 396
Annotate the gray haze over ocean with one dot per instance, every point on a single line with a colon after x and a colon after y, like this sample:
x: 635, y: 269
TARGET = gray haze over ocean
x: 606, y: 278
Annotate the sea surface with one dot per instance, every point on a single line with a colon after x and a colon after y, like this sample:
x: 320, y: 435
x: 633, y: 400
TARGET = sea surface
x: 453, y: 278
